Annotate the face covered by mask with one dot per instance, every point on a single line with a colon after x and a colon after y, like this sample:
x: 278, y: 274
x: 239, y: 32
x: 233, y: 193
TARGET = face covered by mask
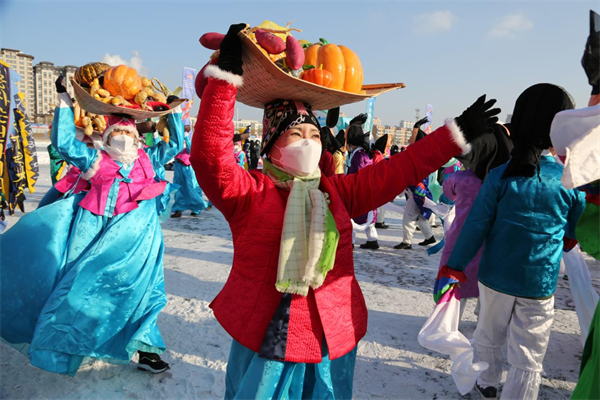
x: 301, y: 157
x: 122, y: 148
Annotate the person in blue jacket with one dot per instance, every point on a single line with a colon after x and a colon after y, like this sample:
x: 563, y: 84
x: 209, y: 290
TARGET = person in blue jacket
x: 522, y: 213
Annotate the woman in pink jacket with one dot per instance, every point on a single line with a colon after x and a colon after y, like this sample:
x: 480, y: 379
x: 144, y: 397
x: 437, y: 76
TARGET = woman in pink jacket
x: 94, y: 285
x: 292, y: 303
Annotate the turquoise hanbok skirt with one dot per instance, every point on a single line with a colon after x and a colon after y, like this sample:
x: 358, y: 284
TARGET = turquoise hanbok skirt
x: 252, y: 377
x: 189, y: 195
x: 75, y: 285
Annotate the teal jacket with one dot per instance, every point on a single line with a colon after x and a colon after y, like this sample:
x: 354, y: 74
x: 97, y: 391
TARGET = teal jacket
x: 522, y: 221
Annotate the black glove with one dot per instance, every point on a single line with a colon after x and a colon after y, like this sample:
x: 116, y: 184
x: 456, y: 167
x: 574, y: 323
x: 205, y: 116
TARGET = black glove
x: 591, y: 56
x: 60, y: 88
x: 420, y: 122
x: 478, y: 118
x: 230, y: 56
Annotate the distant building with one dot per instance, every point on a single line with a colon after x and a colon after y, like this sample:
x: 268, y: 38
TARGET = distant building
x: 406, y: 124
x: 400, y: 134
x: 45, y: 91
x: 46, y: 74
x: 22, y: 64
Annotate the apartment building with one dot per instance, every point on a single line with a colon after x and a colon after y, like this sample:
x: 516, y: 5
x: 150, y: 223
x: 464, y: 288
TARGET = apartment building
x: 23, y: 65
x: 45, y: 74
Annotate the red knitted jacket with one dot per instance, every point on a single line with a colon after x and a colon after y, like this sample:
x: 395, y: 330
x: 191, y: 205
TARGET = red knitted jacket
x: 254, y: 209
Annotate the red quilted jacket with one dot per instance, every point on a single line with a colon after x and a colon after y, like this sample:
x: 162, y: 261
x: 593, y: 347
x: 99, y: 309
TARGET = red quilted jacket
x: 254, y: 208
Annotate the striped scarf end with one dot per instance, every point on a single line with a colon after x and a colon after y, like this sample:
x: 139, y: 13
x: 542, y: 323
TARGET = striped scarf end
x: 292, y: 288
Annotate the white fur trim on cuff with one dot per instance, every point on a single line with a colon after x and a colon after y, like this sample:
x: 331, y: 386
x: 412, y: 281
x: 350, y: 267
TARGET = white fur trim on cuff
x: 458, y: 136
x: 65, y: 100
x: 89, y: 174
x: 216, y: 72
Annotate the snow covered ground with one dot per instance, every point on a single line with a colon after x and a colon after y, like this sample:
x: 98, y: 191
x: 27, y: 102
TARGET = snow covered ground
x: 390, y: 364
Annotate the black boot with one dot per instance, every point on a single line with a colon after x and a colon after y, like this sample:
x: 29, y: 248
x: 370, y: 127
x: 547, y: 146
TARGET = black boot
x: 426, y: 242
x: 403, y: 246
x: 176, y: 214
x: 381, y: 225
x: 372, y: 245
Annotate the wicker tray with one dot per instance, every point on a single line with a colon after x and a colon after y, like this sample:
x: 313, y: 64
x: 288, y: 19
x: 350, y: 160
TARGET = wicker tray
x: 264, y: 82
x: 90, y: 104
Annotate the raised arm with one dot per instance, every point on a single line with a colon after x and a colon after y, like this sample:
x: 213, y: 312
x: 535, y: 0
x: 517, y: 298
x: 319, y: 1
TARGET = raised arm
x: 228, y: 186
x: 378, y: 184
x: 162, y: 152
x: 63, y: 137
x: 478, y: 223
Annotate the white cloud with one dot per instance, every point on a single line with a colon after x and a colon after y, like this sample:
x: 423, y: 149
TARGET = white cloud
x: 438, y: 21
x: 510, y: 26
x: 135, y: 62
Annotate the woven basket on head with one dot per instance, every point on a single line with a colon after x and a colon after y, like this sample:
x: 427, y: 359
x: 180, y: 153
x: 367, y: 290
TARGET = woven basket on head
x: 264, y: 82
x: 90, y: 104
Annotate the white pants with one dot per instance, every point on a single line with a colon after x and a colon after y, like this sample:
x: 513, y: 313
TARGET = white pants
x: 381, y: 215
x: 368, y: 227
x: 412, y: 216
x: 371, y: 233
x: 525, y: 324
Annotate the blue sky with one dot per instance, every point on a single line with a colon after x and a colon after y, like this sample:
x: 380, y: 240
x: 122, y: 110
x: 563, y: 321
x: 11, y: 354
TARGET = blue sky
x: 447, y: 52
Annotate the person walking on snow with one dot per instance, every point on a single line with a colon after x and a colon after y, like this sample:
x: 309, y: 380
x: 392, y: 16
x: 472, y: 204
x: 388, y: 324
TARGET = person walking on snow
x: 292, y: 303
x: 189, y: 194
x: 521, y: 216
x: 98, y: 274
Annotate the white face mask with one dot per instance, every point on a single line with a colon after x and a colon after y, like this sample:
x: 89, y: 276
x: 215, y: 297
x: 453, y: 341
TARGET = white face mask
x: 301, y: 157
x: 122, y: 143
x: 122, y: 148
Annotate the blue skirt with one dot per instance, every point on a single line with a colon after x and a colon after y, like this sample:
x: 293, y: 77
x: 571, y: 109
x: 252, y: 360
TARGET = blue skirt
x: 189, y: 195
x: 252, y: 377
x: 75, y: 285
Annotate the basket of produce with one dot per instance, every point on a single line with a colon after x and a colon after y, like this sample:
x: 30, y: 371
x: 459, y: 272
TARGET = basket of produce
x: 278, y: 66
x: 89, y: 123
x: 104, y: 90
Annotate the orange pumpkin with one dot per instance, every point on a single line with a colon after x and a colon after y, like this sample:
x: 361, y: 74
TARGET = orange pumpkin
x: 122, y: 80
x: 318, y: 76
x: 340, y: 61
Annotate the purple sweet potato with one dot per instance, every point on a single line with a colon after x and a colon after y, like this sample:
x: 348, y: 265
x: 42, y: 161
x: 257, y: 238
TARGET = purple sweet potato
x: 271, y: 43
x: 212, y: 40
x: 294, y: 53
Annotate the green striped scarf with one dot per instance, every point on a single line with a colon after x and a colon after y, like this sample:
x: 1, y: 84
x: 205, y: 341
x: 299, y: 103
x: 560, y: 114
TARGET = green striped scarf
x: 309, y: 238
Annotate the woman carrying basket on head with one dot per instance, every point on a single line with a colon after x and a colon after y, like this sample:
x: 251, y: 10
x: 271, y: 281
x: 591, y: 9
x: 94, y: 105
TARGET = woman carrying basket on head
x: 95, y: 285
x: 292, y: 304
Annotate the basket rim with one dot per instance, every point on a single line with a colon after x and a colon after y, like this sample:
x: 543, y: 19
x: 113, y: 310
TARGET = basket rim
x: 90, y: 104
x: 285, y: 82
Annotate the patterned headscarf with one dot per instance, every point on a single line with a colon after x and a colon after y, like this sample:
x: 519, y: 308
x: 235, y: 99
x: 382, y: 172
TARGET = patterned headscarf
x: 281, y: 115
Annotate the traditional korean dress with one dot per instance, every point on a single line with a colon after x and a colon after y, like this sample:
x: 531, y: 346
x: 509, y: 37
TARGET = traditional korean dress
x: 93, y: 286
x: 189, y: 195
